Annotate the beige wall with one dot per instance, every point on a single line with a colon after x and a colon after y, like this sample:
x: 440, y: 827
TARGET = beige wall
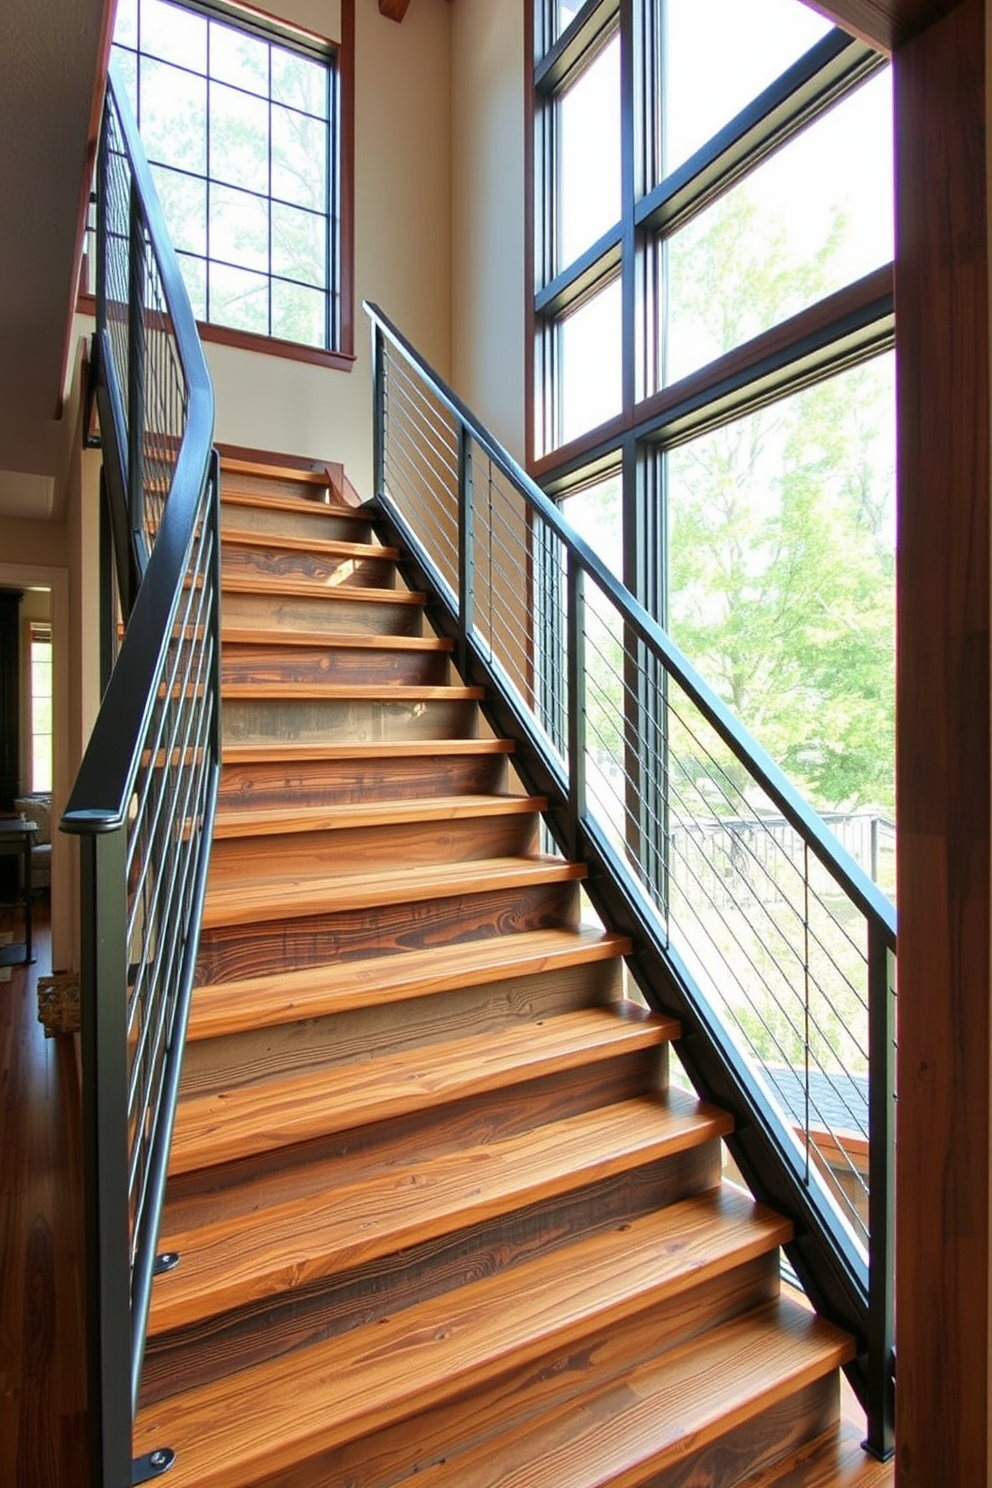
x: 487, y: 313
x: 402, y: 243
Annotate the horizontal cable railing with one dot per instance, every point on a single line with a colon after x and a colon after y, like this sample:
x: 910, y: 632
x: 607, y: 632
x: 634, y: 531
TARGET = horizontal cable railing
x: 144, y: 798
x: 780, y: 946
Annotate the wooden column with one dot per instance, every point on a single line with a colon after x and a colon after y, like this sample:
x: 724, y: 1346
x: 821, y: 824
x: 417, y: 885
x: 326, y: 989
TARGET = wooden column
x: 943, y: 1186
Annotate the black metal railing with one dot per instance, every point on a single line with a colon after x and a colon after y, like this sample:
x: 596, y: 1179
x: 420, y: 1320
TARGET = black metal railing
x: 143, y: 802
x: 751, y: 922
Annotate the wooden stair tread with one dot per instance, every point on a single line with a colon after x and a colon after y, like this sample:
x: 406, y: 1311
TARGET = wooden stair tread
x: 380, y: 749
x: 391, y: 692
x: 360, y: 1382
x: 266, y: 821
x: 291, y: 1244
x: 276, y: 501
x: 316, y: 589
x: 235, y: 633
x: 222, y: 1126
x: 246, y: 901
x: 630, y: 1430
x: 319, y: 991
x: 238, y: 465
x: 286, y: 542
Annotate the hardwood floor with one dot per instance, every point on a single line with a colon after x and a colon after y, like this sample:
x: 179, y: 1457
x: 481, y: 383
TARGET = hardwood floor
x: 42, y: 1420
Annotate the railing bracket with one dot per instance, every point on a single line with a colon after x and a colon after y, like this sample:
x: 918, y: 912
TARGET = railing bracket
x: 167, y: 1260
x: 152, y: 1465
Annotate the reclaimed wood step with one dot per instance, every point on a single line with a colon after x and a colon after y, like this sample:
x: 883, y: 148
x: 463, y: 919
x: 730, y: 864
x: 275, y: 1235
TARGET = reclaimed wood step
x: 289, y: 543
x: 301, y: 515
x: 316, y: 475
x: 259, y: 822
x: 476, y: 909
x: 314, y: 777
x: 304, y: 715
x: 290, y: 751
x: 320, y: 991
x: 302, y: 658
x: 323, y: 611
x: 685, y: 1412
x: 358, y: 1384
x: 353, y: 691
x: 324, y: 565
x: 274, y: 584
x: 251, y: 901
x: 224, y: 1126
x: 293, y: 1244
x: 260, y: 635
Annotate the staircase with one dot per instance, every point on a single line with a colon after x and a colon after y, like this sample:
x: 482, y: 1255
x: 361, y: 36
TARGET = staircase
x: 438, y: 1214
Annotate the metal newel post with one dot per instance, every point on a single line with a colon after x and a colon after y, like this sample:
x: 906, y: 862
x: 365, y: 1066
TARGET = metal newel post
x: 881, y: 1195
x: 378, y: 411
x: 576, y: 701
x: 466, y: 544
x: 103, y: 988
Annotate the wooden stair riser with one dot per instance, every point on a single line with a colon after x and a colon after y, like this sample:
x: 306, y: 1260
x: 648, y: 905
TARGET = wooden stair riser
x: 402, y: 1453
x: 202, y: 1196
x: 239, y: 950
x: 276, y: 482
x: 300, y: 663
x: 221, y: 1126
x: 484, y: 1007
x: 346, y: 570
x: 289, y: 1246
x: 407, y: 844
x: 308, y: 720
x: 367, y: 1294
x: 323, y: 522
x: 341, y: 614
x: 339, y: 782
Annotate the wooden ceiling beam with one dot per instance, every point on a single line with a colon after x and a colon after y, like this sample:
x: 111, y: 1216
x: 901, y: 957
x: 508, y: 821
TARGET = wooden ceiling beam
x: 885, y: 23
x: 394, y: 9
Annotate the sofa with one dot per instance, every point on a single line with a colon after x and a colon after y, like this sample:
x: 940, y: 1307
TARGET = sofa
x: 38, y: 808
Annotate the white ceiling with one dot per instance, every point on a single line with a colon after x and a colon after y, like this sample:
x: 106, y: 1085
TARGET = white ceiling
x: 51, y: 57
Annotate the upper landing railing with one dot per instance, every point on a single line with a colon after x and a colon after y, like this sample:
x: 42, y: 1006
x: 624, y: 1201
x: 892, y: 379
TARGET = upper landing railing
x: 751, y: 922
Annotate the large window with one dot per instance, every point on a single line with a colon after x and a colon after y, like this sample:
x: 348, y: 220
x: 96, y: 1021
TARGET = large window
x: 241, y: 118
x: 712, y: 320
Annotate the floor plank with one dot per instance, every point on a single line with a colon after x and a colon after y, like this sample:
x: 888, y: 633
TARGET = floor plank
x: 42, y: 1421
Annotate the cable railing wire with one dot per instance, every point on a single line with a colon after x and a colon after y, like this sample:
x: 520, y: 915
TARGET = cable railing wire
x: 770, y: 941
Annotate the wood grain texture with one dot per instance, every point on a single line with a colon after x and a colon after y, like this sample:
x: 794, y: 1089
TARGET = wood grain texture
x: 234, y: 1123
x: 289, y: 1245
x: 42, y: 1385
x: 360, y: 776
x: 362, y: 1382
x: 233, y: 582
x: 365, y: 1296
x: 396, y: 713
x: 323, y: 565
x: 248, y: 902
x: 303, y: 661
x: 347, y: 935
x: 302, y: 1044
x: 344, y: 611
x: 293, y: 516
x: 320, y: 991
x: 944, y: 1428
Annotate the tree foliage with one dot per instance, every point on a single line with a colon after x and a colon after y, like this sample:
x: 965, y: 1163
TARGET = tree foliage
x: 781, y: 565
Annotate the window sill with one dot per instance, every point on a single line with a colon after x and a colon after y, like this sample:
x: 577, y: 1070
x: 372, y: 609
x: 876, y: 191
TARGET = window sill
x: 340, y: 361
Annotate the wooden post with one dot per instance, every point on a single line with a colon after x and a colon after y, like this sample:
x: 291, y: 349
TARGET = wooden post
x: 944, y: 1372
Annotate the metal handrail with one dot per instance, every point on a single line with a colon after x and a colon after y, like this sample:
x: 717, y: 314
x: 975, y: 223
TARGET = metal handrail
x: 144, y: 798
x: 451, y: 535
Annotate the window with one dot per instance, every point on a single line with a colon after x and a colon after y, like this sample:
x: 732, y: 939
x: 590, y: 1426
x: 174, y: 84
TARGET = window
x: 40, y: 661
x: 241, y: 119
x: 712, y: 320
